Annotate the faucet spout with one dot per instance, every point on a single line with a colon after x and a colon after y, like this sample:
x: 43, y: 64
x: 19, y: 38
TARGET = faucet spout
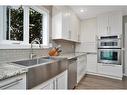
x: 32, y: 54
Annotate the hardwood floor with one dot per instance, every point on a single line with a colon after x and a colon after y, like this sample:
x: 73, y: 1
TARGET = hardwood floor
x: 98, y: 82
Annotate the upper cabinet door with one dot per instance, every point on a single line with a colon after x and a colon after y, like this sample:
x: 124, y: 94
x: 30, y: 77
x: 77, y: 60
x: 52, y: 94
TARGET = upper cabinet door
x: 102, y: 24
x: 115, y: 23
x: 110, y: 23
x: 66, y: 15
x: 74, y: 28
x: 56, y: 23
x: 88, y: 30
x: 64, y: 24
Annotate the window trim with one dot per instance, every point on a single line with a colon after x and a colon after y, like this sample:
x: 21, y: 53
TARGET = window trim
x: 9, y: 44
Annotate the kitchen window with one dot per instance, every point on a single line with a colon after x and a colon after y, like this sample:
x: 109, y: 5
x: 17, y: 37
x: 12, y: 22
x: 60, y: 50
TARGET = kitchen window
x: 22, y: 24
x: 14, y: 21
x: 35, y: 25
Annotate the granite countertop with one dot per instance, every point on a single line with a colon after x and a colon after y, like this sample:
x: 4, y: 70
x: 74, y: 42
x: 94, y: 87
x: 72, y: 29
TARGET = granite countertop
x: 72, y: 55
x: 8, y: 70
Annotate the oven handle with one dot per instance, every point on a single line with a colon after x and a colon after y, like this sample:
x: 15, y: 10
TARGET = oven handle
x: 113, y: 65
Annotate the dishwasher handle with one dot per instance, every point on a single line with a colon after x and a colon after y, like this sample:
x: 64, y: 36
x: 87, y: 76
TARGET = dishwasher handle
x: 11, y: 83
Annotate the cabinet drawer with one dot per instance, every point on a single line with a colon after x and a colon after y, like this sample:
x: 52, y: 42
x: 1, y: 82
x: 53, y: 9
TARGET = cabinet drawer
x: 108, y: 69
x: 17, y: 82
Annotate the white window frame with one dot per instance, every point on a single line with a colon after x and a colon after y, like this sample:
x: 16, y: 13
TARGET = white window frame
x: 9, y: 44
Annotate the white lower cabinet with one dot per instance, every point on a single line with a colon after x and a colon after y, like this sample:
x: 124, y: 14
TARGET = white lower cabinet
x: 92, y: 63
x: 58, y: 82
x: 14, y: 83
x: 61, y: 81
x: 101, y: 69
x: 111, y: 70
x: 81, y: 67
x: 48, y: 85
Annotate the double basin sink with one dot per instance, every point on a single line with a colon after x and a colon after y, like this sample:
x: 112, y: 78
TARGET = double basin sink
x: 42, y: 69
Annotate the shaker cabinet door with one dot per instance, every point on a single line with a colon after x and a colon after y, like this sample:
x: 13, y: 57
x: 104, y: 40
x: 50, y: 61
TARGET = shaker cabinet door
x: 102, y: 24
x: 115, y: 23
x: 61, y: 81
x: 92, y: 63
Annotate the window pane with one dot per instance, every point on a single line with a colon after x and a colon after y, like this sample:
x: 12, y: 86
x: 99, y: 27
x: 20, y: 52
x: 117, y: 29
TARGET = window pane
x: 35, y: 25
x: 14, y: 24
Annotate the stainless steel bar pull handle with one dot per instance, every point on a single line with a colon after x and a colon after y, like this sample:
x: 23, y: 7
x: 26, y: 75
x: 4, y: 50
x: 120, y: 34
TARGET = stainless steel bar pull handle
x: 11, y: 84
x: 107, y: 28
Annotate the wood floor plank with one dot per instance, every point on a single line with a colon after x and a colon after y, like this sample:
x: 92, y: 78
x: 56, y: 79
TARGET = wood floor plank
x: 98, y: 82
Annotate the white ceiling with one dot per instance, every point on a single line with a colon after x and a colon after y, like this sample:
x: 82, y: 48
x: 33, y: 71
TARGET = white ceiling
x: 93, y: 11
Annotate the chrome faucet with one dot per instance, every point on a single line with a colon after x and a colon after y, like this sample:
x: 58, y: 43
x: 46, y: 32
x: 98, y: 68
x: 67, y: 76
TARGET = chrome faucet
x: 32, y: 55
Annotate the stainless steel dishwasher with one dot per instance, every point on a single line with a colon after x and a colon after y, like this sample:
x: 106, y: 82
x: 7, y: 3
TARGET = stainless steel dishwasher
x: 72, y: 73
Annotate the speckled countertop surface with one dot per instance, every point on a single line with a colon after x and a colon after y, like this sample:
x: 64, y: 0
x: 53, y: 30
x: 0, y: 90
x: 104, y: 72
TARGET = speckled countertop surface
x: 8, y: 70
x: 72, y: 55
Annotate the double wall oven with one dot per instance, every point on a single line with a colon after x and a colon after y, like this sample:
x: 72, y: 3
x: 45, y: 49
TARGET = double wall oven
x: 109, y: 49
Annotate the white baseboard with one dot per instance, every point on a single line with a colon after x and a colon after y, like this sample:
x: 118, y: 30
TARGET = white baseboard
x: 103, y: 75
x: 92, y: 73
x: 125, y: 74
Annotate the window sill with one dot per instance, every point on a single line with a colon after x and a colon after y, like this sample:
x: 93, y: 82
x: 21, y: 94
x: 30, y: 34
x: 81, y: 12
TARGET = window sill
x: 22, y: 46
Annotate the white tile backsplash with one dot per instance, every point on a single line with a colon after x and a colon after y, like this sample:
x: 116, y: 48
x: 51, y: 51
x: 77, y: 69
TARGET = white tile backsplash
x: 9, y: 55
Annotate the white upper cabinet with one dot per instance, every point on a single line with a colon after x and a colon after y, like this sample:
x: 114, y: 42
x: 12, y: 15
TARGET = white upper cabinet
x: 115, y: 23
x: 65, y: 24
x: 102, y: 25
x: 75, y: 25
x: 88, y: 30
x: 56, y: 23
x: 65, y: 29
x: 110, y: 23
x: 87, y: 36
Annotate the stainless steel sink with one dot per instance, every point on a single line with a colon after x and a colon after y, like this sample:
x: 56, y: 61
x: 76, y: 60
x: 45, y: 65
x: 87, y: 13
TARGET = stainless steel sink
x: 38, y: 74
x: 34, y: 61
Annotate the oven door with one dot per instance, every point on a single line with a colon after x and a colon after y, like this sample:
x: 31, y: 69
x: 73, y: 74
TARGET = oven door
x: 109, y: 56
